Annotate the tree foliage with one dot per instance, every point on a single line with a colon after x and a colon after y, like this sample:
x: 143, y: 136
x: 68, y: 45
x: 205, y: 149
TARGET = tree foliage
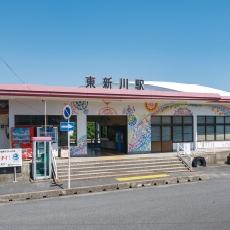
x: 90, y: 130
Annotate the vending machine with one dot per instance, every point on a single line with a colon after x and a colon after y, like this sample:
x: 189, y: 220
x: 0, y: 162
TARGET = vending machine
x: 120, y: 141
x: 21, y: 137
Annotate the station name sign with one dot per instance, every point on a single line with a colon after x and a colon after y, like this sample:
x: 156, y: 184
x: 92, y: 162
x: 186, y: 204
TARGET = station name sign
x: 107, y: 83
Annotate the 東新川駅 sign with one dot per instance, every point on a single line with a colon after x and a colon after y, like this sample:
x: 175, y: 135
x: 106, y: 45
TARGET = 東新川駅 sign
x: 107, y: 83
x: 10, y: 157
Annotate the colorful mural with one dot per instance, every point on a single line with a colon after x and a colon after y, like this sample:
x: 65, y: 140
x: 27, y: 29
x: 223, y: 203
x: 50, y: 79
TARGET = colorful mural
x: 183, y: 112
x: 129, y: 110
x: 72, y: 107
x: 159, y: 110
x: 81, y: 105
x: 139, y: 126
x: 107, y: 110
x: 81, y: 147
x: 151, y: 107
x: 86, y: 111
x: 139, y: 134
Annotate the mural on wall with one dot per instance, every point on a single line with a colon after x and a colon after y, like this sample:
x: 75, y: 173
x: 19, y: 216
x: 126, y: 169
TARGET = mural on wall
x: 139, y: 126
x: 151, y: 107
x: 86, y: 111
x: 159, y: 110
x: 107, y: 110
x: 81, y: 147
x: 72, y: 107
x: 132, y: 120
x: 81, y: 105
x: 139, y: 134
x: 183, y: 112
x: 128, y: 111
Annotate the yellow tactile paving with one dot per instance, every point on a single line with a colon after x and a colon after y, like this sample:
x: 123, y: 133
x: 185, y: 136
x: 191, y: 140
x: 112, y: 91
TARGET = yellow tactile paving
x: 110, y: 154
x: 142, y: 177
x: 140, y: 156
x: 113, y: 157
x: 109, y: 158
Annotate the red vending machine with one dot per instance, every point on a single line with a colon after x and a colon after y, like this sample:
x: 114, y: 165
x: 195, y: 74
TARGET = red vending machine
x: 22, y: 137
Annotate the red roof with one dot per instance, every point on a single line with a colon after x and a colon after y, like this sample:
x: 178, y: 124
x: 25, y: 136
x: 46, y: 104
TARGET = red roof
x: 75, y: 92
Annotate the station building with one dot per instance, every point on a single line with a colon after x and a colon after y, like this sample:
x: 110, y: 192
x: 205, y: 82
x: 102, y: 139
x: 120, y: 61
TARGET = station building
x: 151, y: 120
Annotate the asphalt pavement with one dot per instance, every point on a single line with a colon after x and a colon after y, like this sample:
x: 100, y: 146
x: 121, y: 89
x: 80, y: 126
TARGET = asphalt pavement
x: 215, y: 171
x: 197, y: 205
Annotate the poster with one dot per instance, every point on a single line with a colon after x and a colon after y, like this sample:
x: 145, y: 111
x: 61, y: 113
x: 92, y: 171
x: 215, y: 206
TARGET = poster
x: 64, y: 153
x: 10, y: 157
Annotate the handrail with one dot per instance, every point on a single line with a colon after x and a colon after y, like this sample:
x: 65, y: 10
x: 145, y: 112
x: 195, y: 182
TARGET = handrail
x: 204, y: 145
x: 54, y: 165
x: 183, y: 159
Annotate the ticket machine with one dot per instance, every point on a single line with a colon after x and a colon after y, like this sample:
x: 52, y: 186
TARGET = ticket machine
x: 41, y: 161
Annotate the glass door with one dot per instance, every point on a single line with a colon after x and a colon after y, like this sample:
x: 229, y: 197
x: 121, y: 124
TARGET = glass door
x: 47, y: 160
x: 40, y: 164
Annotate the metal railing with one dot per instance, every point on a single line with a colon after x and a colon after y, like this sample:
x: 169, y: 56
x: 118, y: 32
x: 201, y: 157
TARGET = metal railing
x: 203, y: 146
x: 182, y: 158
x: 54, y: 164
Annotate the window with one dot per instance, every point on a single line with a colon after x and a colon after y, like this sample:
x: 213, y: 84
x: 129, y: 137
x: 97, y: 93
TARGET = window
x: 156, y: 133
x: 211, y: 128
x: 21, y: 120
x: 39, y: 120
x: 175, y: 128
x: 104, y: 132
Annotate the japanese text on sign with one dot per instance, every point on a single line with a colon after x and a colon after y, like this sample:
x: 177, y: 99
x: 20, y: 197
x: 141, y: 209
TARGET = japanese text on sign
x: 10, y: 157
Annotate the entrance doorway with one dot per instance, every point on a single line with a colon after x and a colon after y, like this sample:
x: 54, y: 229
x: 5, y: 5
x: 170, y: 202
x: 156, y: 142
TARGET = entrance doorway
x: 107, y: 134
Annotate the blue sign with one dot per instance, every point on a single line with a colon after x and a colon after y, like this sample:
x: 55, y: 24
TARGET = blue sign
x: 67, y: 126
x: 67, y: 112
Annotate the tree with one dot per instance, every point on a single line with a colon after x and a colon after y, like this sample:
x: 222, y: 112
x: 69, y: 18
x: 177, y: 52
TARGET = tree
x: 90, y: 130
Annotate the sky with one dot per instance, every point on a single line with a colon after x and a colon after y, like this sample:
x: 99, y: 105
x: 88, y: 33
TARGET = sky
x: 57, y: 43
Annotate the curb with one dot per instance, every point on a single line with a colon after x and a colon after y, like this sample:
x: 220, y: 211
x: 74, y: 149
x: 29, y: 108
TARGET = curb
x: 99, y: 188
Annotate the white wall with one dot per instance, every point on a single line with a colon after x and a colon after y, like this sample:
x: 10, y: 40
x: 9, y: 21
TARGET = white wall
x: 138, y: 116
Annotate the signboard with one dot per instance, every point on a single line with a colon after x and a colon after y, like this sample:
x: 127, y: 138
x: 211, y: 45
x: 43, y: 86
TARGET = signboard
x: 64, y: 153
x: 67, y: 126
x: 67, y: 112
x: 10, y: 157
x: 107, y: 82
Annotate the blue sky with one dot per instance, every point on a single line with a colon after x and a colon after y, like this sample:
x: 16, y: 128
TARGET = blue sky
x: 57, y: 42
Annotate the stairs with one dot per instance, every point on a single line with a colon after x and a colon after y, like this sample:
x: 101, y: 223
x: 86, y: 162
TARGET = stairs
x: 119, y: 167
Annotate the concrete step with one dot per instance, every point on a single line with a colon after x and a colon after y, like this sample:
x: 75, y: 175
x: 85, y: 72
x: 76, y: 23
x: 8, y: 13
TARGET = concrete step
x: 132, y: 164
x: 119, y: 168
x: 111, y: 168
x: 58, y: 161
x: 128, y: 173
x: 115, y: 162
x: 124, y: 171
